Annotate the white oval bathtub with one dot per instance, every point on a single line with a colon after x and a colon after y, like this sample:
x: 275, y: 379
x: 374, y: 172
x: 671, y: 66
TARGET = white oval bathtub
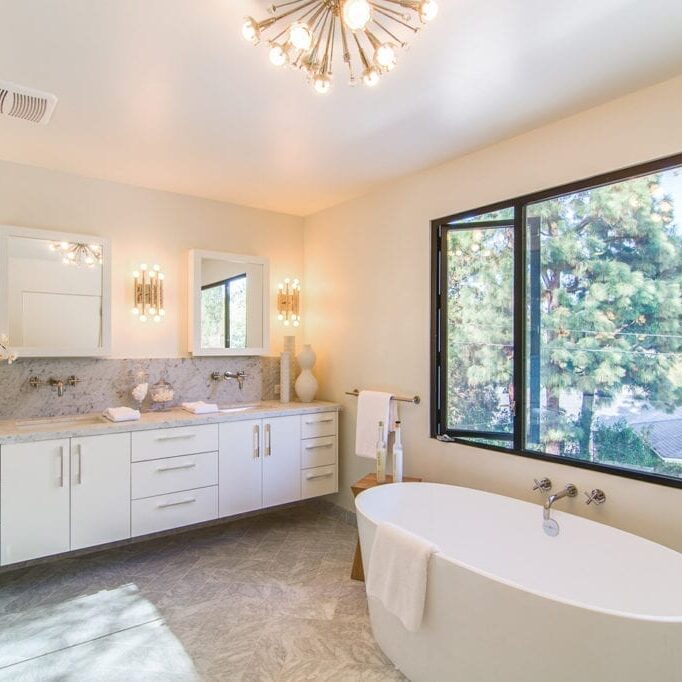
x: 507, y: 603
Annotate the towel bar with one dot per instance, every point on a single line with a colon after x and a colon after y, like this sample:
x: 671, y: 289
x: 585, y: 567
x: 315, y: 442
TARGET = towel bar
x: 415, y: 400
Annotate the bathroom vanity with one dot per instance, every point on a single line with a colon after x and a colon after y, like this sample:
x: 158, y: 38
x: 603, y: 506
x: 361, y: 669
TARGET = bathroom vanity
x: 68, y: 485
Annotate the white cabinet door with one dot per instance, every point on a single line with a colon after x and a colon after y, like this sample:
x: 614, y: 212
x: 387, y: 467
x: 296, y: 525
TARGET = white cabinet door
x: 281, y: 460
x: 34, y: 500
x: 239, y: 467
x: 100, y: 489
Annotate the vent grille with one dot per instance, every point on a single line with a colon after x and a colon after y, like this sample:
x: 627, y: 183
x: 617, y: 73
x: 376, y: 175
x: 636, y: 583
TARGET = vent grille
x: 17, y: 101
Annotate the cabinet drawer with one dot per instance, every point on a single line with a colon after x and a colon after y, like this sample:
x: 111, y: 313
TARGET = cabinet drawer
x: 161, y: 476
x: 184, y: 440
x: 318, y: 481
x: 318, y: 452
x: 317, y: 425
x: 154, y: 514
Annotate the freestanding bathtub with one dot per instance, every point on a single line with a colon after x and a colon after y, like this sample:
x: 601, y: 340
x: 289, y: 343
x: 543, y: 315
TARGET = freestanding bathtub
x: 507, y: 603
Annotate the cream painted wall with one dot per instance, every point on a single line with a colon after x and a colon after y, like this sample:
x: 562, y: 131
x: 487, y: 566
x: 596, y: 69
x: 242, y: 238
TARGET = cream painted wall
x: 367, y: 296
x: 154, y: 227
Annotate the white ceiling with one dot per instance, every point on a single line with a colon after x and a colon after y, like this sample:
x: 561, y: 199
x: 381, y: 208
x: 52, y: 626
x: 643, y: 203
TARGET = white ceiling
x: 166, y: 93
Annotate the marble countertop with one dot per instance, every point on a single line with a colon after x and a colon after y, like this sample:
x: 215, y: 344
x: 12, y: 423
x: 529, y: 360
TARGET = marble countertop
x: 29, y: 430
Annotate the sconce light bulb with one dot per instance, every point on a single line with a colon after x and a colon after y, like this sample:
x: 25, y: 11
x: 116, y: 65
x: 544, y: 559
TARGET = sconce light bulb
x: 286, y: 323
x: 296, y: 282
x: 143, y: 318
x: 152, y: 311
x: 157, y: 318
x: 143, y: 266
x: 280, y: 317
x: 162, y: 312
x: 152, y: 274
x: 64, y: 245
x: 136, y: 274
x: 135, y: 311
x: 296, y: 323
x: 287, y: 280
x: 156, y: 268
x: 280, y: 286
x: 162, y: 276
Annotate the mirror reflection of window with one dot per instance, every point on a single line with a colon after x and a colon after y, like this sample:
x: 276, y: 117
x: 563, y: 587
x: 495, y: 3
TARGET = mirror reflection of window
x: 223, y: 313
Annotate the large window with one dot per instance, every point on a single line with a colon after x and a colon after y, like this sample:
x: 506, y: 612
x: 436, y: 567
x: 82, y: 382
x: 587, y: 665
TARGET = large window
x: 557, y: 324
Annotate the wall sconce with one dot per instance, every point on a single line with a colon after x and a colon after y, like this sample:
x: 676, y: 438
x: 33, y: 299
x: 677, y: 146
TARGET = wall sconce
x: 288, y: 302
x: 148, y: 293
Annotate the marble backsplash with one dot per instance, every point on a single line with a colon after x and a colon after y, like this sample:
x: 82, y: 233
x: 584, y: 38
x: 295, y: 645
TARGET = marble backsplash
x: 108, y: 382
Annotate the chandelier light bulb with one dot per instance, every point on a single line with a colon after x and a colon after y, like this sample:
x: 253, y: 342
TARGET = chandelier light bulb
x: 356, y: 14
x: 428, y: 10
x: 371, y: 77
x: 250, y: 30
x: 322, y: 84
x: 278, y: 55
x: 300, y: 36
x: 384, y: 56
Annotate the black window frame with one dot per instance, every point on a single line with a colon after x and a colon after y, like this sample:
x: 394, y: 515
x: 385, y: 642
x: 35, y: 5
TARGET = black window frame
x: 439, y: 229
x: 227, y: 283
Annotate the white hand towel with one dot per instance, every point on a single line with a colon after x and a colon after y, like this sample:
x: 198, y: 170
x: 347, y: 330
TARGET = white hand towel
x: 121, y: 414
x: 373, y: 407
x: 200, y: 407
x: 398, y: 572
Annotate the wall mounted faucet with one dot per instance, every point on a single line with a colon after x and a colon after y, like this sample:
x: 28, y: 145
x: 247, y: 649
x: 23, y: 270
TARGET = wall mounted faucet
x: 597, y: 496
x: 59, y: 384
x: 544, y: 485
x: 239, y: 376
x: 569, y: 491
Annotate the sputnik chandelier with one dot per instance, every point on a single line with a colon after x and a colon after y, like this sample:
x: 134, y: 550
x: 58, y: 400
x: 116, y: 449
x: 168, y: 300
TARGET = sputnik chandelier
x: 305, y: 33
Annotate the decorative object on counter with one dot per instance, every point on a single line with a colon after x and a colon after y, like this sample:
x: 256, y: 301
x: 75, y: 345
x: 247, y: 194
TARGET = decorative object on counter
x: 306, y: 385
x: 284, y: 377
x: 162, y: 394
x: 148, y: 300
x: 289, y: 302
x: 6, y: 353
x: 121, y: 414
x: 139, y: 393
x: 79, y: 254
x: 366, y: 35
x: 200, y: 407
x: 369, y: 481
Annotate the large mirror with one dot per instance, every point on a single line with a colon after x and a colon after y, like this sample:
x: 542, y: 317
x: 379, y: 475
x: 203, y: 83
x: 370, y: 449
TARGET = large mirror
x: 229, y: 297
x: 55, y: 293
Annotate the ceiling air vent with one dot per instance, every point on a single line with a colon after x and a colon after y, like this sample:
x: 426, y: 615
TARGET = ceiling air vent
x: 26, y: 104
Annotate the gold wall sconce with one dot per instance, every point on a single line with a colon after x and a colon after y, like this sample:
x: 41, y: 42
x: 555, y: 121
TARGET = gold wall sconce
x: 289, y: 302
x: 148, y: 293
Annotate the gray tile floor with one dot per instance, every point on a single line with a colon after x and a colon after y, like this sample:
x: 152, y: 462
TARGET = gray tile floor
x: 263, y: 598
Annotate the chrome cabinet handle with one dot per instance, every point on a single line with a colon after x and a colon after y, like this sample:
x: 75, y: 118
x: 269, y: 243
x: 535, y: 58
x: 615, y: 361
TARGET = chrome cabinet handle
x: 311, y: 477
x: 79, y: 451
x: 256, y: 442
x: 61, y: 466
x: 177, y: 466
x: 316, y: 447
x: 268, y: 445
x: 176, y: 436
x: 320, y: 421
x: 178, y: 503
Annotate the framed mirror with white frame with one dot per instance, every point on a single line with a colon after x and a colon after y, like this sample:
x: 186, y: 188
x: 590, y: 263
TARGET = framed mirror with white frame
x: 229, y: 304
x: 55, y: 292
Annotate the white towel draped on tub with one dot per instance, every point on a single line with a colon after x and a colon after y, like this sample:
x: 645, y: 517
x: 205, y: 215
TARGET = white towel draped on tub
x: 373, y: 407
x: 398, y: 571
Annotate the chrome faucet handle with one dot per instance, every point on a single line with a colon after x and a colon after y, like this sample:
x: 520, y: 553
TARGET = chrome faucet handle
x: 544, y: 485
x: 216, y: 376
x: 73, y: 380
x: 597, y: 496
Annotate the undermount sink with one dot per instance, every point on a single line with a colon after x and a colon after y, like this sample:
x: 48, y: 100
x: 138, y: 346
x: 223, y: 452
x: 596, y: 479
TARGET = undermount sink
x: 74, y: 421
x: 238, y: 407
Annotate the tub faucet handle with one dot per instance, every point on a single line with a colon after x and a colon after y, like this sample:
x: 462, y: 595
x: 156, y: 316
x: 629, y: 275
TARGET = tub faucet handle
x: 597, y: 496
x: 543, y: 485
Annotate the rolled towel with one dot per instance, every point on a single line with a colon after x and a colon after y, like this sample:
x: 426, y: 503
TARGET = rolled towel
x: 121, y: 414
x: 200, y: 407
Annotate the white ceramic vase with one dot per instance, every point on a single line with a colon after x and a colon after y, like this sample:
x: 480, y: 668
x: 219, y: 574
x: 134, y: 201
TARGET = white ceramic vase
x: 306, y: 384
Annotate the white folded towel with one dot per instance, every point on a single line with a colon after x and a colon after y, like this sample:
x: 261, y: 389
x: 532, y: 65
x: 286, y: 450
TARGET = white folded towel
x: 121, y: 414
x: 398, y: 572
x: 373, y: 407
x: 200, y: 407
